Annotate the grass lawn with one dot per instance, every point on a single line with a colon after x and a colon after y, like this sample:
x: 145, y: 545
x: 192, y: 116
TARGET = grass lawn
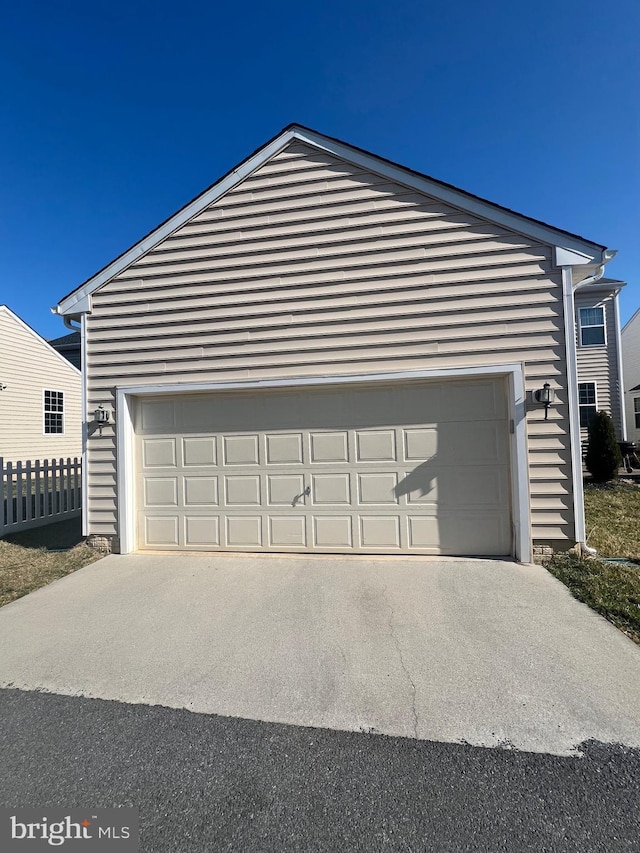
x: 27, y: 564
x: 613, y: 519
x: 613, y: 528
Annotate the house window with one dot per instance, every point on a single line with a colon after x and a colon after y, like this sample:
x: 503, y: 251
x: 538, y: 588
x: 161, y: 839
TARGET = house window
x: 636, y: 411
x: 592, y: 327
x: 587, y: 401
x: 53, y: 412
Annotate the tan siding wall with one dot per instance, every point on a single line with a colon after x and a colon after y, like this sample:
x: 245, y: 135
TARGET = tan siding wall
x: 27, y: 367
x: 312, y: 267
x: 631, y: 373
x: 599, y: 364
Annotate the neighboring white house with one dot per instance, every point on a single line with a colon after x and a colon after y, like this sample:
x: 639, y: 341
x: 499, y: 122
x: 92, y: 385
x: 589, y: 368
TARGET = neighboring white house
x: 599, y: 353
x: 631, y: 373
x: 40, y: 400
x: 329, y: 352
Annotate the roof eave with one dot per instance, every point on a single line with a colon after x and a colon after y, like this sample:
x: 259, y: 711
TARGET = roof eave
x: 79, y: 300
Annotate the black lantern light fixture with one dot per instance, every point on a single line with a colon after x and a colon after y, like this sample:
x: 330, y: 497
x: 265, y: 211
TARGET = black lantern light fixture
x: 101, y: 416
x: 545, y: 395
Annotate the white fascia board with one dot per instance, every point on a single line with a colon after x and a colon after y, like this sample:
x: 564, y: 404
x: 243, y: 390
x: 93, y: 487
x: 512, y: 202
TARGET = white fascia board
x: 588, y: 252
x: 72, y: 303
x: 566, y: 258
x: 458, y: 198
x: 82, y: 306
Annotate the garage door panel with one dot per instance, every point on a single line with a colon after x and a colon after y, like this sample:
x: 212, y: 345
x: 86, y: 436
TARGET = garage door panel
x: 376, y: 446
x: 160, y: 491
x: 380, y: 531
x: 330, y: 489
x: 287, y: 531
x: 468, y: 487
x: 161, y: 531
x: 329, y: 447
x: 199, y: 451
x: 483, y: 442
x: 413, y: 468
x: 332, y: 531
x: 202, y: 530
x: 420, y: 443
x: 419, y: 486
x: 283, y: 489
x: 159, y: 452
x: 241, y: 450
x: 200, y: 491
x: 284, y: 449
x: 242, y: 490
x: 486, y: 487
x: 378, y: 488
x: 483, y: 534
x: 423, y: 532
x: 244, y: 531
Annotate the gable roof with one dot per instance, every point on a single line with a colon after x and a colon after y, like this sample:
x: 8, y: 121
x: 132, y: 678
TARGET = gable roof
x: 6, y: 310
x: 76, y: 301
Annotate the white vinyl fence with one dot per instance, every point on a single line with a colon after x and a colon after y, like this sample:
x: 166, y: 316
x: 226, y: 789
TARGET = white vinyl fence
x: 33, y: 494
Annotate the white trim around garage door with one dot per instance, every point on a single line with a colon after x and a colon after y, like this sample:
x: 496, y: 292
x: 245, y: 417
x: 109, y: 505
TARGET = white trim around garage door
x: 518, y: 445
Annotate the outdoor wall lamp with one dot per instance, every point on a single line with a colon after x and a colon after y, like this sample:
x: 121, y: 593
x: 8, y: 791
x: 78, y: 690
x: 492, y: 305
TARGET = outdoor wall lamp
x: 545, y: 395
x: 101, y: 416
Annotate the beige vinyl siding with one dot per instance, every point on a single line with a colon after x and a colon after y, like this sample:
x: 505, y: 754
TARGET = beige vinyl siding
x: 630, y: 337
x: 599, y: 364
x: 313, y: 267
x: 28, y: 366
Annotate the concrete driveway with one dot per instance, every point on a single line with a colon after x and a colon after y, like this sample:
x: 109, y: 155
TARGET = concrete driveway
x: 480, y: 651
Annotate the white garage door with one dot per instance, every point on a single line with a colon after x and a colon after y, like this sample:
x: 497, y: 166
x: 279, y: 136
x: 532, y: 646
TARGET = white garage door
x: 418, y: 467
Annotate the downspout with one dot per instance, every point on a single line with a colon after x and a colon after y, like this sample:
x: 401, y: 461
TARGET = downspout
x: 623, y: 413
x: 568, y: 293
x: 68, y: 323
x: 85, y: 425
x: 83, y: 386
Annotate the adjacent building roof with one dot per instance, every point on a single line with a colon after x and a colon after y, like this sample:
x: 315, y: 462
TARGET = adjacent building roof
x: 609, y: 285
x: 76, y: 302
x: 70, y: 347
x: 66, y: 341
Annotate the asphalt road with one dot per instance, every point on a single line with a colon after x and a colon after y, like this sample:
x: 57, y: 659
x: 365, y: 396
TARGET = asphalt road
x: 211, y: 783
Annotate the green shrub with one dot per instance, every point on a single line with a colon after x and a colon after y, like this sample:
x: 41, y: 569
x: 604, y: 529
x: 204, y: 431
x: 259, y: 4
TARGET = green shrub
x: 603, y: 457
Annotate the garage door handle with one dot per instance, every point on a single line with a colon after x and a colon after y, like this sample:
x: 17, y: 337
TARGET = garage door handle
x: 304, y: 494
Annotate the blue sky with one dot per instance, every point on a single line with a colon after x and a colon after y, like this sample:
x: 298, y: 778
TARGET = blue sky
x: 115, y: 114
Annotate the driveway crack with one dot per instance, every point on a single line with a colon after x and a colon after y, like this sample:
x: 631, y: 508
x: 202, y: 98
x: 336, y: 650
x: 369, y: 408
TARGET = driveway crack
x: 396, y: 641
